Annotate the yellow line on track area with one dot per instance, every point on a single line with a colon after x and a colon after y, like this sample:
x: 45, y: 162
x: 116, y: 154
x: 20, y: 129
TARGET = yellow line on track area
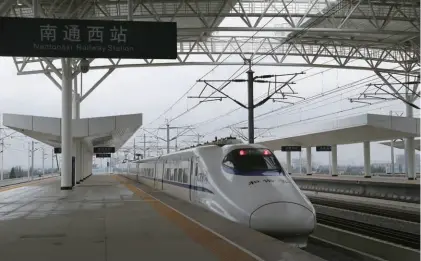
x: 25, y: 184
x: 219, y: 246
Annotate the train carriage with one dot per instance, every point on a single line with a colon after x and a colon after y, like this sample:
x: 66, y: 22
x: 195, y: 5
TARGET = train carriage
x: 244, y: 183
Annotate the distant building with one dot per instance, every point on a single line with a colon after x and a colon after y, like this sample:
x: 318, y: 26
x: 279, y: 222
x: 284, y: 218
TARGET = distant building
x: 400, y: 164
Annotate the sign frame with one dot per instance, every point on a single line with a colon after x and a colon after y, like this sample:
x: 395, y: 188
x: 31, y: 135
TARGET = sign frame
x: 291, y: 148
x: 324, y: 148
x: 103, y: 155
x: 100, y: 150
x: 80, y: 38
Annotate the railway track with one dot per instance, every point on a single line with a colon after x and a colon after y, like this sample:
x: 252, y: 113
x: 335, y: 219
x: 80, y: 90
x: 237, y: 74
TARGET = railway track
x: 389, y: 235
x: 368, y: 209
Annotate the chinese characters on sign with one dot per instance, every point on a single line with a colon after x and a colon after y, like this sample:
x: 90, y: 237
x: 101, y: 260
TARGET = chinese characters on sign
x: 72, y: 33
x: 323, y: 148
x: 73, y: 38
x: 99, y: 150
x: 290, y: 148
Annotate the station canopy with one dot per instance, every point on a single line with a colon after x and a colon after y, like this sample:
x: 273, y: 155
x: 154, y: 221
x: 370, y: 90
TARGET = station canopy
x: 356, y: 129
x: 112, y: 131
x: 400, y: 144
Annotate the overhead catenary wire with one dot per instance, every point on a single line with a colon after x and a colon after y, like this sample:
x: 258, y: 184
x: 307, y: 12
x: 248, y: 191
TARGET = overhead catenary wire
x: 206, y: 74
x: 236, y: 109
x: 303, y: 102
x: 291, y: 108
x: 263, y: 55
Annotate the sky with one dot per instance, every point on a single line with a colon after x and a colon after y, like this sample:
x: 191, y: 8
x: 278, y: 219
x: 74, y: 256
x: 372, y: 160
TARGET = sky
x: 153, y: 90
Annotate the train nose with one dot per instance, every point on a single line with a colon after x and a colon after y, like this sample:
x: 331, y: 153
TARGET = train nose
x: 283, y: 218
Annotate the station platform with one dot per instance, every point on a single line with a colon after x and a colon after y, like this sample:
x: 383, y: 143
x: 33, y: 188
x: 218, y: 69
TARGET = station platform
x: 387, y: 188
x: 9, y: 182
x: 108, y: 217
x: 353, y: 178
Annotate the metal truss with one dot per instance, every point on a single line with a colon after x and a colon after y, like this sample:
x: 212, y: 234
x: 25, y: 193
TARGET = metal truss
x: 394, y: 87
x: 351, y: 34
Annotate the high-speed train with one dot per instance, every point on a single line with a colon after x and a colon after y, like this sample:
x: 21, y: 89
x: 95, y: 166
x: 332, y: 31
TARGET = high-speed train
x: 244, y: 183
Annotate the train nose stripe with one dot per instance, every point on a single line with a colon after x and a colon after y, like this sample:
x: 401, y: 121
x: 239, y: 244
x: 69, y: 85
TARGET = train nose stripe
x: 283, y: 217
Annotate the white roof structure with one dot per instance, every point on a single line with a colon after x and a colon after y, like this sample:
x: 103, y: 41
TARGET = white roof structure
x: 111, y: 131
x: 366, y: 127
x: 399, y: 144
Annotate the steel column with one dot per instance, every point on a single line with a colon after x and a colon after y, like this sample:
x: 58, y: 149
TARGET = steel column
x: 168, y: 138
x: 250, y: 107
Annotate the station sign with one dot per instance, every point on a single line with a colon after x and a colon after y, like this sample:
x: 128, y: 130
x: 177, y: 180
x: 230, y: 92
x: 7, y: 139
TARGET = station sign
x: 323, y: 148
x: 98, y: 150
x: 57, y: 150
x: 290, y: 148
x: 103, y: 155
x: 74, y: 38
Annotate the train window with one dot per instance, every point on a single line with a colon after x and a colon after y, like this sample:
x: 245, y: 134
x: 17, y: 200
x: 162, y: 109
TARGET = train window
x: 250, y: 159
x: 172, y: 175
x: 180, y: 175
x: 167, y: 175
x: 185, y: 176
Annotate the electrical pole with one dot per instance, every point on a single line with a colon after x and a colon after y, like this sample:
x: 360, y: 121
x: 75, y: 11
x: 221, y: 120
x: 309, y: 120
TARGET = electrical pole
x: 250, y: 104
x: 2, y: 153
x: 250, y: 82
x: 168, y: 138
x: 392, y: 152
x: 29, y: 160
x: 43, y: 161
x: 134, y: 148
x: 32, y: 160
x: 144, y: 145
x: 52, y: 161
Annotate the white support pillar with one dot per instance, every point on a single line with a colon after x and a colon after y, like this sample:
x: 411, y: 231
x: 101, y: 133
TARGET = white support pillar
x: 409, y: 144
x: 334, y: 154
x: 76, y: 115
x: 367, y: 162
x: 289, y: 170
x: 82, y: 161
x: 66, y: 125
x: 392, y: 156
x: 309, y: 169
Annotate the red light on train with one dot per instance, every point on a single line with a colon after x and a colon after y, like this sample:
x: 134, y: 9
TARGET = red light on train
x: 242, y: 152
x: 266, y: 152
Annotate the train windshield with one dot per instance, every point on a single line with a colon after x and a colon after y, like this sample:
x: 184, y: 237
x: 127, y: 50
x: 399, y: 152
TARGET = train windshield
x: 251, y: 159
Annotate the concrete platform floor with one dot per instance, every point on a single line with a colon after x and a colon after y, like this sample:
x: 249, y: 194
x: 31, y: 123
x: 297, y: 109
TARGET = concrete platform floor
x: 108, y: 218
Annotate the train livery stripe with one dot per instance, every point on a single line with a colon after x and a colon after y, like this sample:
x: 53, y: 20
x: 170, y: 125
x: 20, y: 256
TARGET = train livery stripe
x: 253, y: 173
x: 183, y: 185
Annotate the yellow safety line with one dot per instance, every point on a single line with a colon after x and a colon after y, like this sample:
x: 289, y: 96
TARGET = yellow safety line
x: 220, y: 247
x: 24, y: 184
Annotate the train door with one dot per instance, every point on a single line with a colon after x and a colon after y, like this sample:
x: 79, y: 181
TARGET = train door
x: 163, y: 174
x: 137, y: 171
x: 155, y: 174
x: 193, y: 179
